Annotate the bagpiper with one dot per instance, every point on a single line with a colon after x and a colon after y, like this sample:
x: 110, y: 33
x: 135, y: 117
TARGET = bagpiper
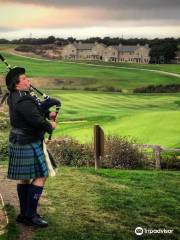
x: 27, y: 159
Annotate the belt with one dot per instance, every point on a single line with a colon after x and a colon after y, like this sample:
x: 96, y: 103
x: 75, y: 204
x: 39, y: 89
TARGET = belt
x: 17, y: 131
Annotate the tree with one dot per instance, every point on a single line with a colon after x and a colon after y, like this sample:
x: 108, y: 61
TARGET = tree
x: 163, y: 51
x: 51, y: 40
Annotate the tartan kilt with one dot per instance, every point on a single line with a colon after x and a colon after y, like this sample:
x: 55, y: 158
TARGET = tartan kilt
x: 26, y: 161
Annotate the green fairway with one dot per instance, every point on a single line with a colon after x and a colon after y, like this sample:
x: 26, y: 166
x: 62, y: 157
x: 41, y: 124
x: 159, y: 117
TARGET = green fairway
x: 77, y: 76
x: 109, y: 204
x: 173, y: 68
x: 151, y: 118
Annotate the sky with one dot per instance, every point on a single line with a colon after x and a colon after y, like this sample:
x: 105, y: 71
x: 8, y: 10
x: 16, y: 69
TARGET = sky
x: 89, y: 18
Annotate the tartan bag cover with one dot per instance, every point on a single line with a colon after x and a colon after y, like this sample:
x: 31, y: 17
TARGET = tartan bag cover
x: 26, y: 161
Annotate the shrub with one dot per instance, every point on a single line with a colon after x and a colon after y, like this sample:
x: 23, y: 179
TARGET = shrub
x: 4, y: 118
x: 25, y: 48
x: 170, y: 161
x: 91, y: 89
x: 67, y: 151
x: 171, y: 88
x: 111, y: 89
x: 3, y: 150
x: 120, y: 152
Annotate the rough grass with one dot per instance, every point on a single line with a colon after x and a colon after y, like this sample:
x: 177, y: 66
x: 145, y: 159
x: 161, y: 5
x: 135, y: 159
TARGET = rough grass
x: 151, y: 118
x: 85, y: 76
x: 109, y: 204
x: 13, y: 230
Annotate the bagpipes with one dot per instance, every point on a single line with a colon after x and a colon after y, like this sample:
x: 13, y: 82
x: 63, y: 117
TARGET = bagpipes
x: 44, y: 105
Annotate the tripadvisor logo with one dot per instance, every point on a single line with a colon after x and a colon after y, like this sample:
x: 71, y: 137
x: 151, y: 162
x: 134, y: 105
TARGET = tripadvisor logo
x: 140, y: 231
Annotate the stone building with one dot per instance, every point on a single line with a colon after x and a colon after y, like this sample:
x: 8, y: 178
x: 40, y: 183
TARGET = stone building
x: 131, y: 54
x: 83, y: 51
x: 111, y: 54
x: 99, y: 51
x: 69, y: 51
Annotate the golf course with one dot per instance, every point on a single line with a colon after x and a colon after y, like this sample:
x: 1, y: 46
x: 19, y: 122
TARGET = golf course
x: 104, y: 204
x: 98, y: 93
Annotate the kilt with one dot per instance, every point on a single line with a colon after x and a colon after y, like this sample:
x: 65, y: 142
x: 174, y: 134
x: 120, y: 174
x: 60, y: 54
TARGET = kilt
x: 26, y: 161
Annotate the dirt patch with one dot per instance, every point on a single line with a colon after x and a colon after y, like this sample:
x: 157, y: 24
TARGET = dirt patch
x: 3, y: 217
x: 8, y: 191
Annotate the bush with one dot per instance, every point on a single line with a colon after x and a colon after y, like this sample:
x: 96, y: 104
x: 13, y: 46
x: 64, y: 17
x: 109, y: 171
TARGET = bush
x: 171, y: 88
x: 105, y: 89
x: 25, y: 48
x: 170, y: 161
x: 3, y: 150
x: 120, y: 152
x: 91, y: 89
x: 111, y: 89
x: 67, y: 151
x: 4, y: 118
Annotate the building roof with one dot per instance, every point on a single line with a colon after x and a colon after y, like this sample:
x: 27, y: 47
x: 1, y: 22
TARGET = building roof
x: 127, y: 48
x: 84, y: 46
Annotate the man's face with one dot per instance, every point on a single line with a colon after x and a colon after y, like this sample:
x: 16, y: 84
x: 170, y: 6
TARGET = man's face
x: 24, y: 83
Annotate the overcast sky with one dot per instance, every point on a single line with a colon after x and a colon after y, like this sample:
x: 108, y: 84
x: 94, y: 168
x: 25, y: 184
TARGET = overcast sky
x: 89, y: 18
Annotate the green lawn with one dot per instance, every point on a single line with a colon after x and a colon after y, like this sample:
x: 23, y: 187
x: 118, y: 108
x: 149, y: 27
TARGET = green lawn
x: 151, y: 118
x: 109, y: 204
x: 173, y: 68
x: 76, y: 76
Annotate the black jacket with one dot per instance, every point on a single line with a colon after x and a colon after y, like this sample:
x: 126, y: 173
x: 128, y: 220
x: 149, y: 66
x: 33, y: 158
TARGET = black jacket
x: 26, y: 116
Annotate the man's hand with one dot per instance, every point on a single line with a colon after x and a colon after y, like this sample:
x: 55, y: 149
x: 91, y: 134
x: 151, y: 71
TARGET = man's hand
x: 53, y: 124
x: 52, y: 116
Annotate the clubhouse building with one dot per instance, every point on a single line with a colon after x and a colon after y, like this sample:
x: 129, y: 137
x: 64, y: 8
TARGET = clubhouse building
x: 101, y: 52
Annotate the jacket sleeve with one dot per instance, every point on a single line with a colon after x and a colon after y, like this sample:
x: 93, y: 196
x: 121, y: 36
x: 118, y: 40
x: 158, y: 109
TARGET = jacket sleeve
x: 32, y: 115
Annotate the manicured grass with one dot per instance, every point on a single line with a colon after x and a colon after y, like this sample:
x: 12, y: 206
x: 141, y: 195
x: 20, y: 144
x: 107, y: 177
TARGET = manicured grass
x: 109, y: 204
x: 173, y: 68
x: 82, y: 76
x: 150, y: 118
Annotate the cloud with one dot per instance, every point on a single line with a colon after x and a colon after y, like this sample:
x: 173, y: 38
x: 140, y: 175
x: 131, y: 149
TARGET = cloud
x: 124, y: 4
x: 7, y: 29
x: 113, y: 9
x: 81, y: 14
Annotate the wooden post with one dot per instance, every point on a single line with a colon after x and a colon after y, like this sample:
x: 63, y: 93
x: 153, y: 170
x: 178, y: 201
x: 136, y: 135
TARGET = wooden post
x: 98, y: 145
x: 157, y: 156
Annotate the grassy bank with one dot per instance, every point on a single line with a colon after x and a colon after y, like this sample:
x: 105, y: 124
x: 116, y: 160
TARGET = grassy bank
x: 109, y: 204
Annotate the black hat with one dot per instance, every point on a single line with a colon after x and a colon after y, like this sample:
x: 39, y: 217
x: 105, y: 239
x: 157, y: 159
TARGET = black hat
x: 10, y: 77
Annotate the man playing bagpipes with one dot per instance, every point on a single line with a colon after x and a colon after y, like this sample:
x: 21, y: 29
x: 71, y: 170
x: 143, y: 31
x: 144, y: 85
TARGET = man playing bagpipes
x: 29, y: 160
